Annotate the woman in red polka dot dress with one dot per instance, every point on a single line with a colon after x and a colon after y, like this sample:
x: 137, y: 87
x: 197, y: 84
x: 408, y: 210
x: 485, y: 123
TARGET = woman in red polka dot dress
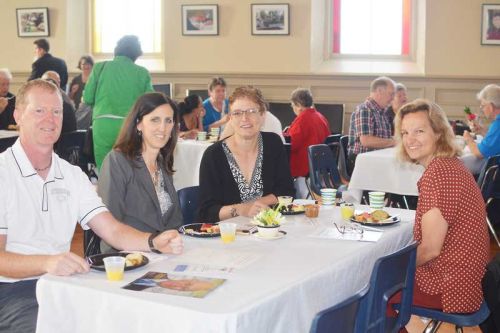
x: 450, y: 222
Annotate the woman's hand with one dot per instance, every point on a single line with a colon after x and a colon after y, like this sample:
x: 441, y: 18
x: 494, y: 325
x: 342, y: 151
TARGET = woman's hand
x: 250, y: 209
x: 169, y: 242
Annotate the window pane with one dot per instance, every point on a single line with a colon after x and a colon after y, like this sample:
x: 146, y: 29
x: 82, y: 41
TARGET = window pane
x: 372, y: 27
x: 116, y: 18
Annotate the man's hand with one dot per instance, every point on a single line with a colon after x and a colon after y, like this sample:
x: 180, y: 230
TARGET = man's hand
x: 66, y: 264
x: 3, y: 104
x: 169, y: 241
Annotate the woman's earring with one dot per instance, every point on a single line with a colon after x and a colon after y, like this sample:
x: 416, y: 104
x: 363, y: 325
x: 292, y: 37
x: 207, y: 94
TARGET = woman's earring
x: 139, y: 132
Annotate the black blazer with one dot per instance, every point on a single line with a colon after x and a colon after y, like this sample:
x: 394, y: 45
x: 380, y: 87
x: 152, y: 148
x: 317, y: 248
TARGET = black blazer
x: 49, y: 63
x: 218, y: 187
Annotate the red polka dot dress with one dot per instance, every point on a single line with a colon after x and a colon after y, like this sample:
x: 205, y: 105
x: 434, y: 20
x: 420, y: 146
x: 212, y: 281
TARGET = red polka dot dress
x: 457, y: 272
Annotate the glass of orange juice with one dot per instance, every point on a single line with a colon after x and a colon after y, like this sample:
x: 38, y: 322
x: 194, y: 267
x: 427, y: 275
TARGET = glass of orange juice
x: 227, y: 232
x: 114, y: 267
x: 346, y: 210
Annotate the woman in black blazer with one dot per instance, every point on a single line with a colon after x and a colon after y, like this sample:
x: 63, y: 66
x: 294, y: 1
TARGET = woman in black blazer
x: 246, y: 172
x: 135, y: 181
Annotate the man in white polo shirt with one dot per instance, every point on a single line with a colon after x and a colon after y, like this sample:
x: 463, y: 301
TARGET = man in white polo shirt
x: 42, y: 197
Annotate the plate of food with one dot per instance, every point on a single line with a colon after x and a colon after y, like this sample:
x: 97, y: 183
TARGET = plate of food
x: 291, y: 209
x: 378, y: 217
x: 132, y: 260
x: 200, y: 230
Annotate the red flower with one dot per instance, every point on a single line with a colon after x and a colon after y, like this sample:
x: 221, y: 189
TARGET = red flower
x: 471, y: 116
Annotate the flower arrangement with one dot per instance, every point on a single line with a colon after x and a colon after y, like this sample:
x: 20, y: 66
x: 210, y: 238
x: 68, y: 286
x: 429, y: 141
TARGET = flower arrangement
x: 470, y: 116
x: 269, y: 217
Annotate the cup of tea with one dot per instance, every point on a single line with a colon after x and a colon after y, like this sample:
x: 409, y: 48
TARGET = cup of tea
x: 377, y: 200
x: 312, y: 210
x: 202, y: 136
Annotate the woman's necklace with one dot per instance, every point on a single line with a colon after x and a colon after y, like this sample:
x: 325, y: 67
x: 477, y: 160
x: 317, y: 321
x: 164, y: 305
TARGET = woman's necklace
x: 155, y: 174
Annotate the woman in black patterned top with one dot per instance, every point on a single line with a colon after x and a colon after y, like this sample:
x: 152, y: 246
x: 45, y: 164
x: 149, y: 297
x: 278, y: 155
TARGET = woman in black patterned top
x: 246, y: 172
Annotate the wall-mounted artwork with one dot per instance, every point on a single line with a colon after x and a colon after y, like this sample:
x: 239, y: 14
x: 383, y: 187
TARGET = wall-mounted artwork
x: 200, y: 20
x: 270, y: 19
x: 32, y: 22
x: 490, y: 31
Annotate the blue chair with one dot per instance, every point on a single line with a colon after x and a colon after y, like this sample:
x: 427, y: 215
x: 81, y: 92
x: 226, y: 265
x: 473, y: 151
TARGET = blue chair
x: 489, y: 183
x: 391, y: 274
x: 340, y: 317
x: 323, y: 170
x: 188, y: 199
x: 333, y: 138
x: 458, y: 319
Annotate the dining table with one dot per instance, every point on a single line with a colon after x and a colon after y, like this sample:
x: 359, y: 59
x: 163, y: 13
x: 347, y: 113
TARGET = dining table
x: 271, y: 284
x: 381, y: 170
x: 187, y: 160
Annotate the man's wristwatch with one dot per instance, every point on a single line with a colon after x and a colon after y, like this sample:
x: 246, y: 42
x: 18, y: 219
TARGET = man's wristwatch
x: 150, y: 242
x: 233, y: 212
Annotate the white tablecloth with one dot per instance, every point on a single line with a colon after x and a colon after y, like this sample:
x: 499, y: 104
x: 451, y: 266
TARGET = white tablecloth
x: 187, y: 159
x: 293, y: 278
x: 380, y: 170
x: 8, y: 134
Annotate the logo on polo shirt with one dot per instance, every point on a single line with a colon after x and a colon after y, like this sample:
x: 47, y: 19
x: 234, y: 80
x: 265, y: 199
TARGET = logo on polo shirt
x: 61, y: 194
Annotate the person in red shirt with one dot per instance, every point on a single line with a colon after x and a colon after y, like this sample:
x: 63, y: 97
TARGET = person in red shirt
x: 309, y: 128
x: 450, y: 228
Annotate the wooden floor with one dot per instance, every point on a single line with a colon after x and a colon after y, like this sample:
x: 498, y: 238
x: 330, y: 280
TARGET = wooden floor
x: 416, y: 325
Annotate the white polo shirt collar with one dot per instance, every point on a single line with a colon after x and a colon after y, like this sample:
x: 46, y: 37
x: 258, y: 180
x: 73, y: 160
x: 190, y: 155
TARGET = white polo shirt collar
x: 26, y: 168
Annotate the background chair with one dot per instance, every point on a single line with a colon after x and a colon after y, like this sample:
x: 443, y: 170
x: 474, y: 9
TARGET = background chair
x: 7, y: 142
x: 91, y: 243
x: 338, y: 154
x: 489, y: 183
x: 458, y: 319
x: 391, y: 274
x: 323, y: 170
x: 203, y: 93
x: 188, y: 198
x: 339, y: 318
x: 333, y: 138
x: 70, y: 147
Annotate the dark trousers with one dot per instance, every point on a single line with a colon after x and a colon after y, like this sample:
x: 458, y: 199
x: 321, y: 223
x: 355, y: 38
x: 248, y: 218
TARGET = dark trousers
x: 18, y: 307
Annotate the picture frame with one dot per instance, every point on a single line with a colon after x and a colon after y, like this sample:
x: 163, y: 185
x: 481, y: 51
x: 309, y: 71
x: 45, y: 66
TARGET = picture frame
x: 33, y: 22
x: 270, y: 19
x: 490, y: 24
x: 200, y: 20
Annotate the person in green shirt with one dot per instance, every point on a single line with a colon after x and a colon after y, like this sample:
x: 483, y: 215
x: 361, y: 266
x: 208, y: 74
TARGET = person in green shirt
x: 112, y: 88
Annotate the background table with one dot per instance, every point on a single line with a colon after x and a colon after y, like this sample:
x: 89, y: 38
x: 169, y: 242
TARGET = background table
x: 187, y: 159
x: 8, y: 134
x: 293, y: 279
x: 380, y: 170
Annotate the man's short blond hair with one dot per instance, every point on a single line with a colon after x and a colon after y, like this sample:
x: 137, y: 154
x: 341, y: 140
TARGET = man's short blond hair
x: 22, y: 95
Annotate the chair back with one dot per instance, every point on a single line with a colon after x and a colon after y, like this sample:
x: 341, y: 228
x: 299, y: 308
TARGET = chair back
x: 340, y: 317
x: 288, y: 150
x: 489, y: 178
x: 323, y: 170
x: 5, y: 143
x: 203, y: 93
x: 333, y: 138
x: 70, y: 148
x: 188, y: 199
x: 391, y: 274
x: 338, y: 154
x: 91, y: 243
x: 344, y: 141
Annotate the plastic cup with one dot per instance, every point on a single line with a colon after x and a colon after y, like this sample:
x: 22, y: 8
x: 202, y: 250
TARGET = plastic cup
x: 312, y: 210
x: 347, y: 211
x: 377, y: 200
x: 328, y: 196
x: 114, y: 267
x: 227, y: 232
x: 285, y: 200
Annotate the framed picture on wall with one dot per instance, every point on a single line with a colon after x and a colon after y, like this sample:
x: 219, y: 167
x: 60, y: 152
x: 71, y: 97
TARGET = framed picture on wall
x: 32, y: 22
x: 200, y: 20
x: 490, y: 30
x: 270, y: 19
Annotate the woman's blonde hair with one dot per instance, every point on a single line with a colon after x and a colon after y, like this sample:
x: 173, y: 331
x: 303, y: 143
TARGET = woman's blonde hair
x: 445, y: 146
